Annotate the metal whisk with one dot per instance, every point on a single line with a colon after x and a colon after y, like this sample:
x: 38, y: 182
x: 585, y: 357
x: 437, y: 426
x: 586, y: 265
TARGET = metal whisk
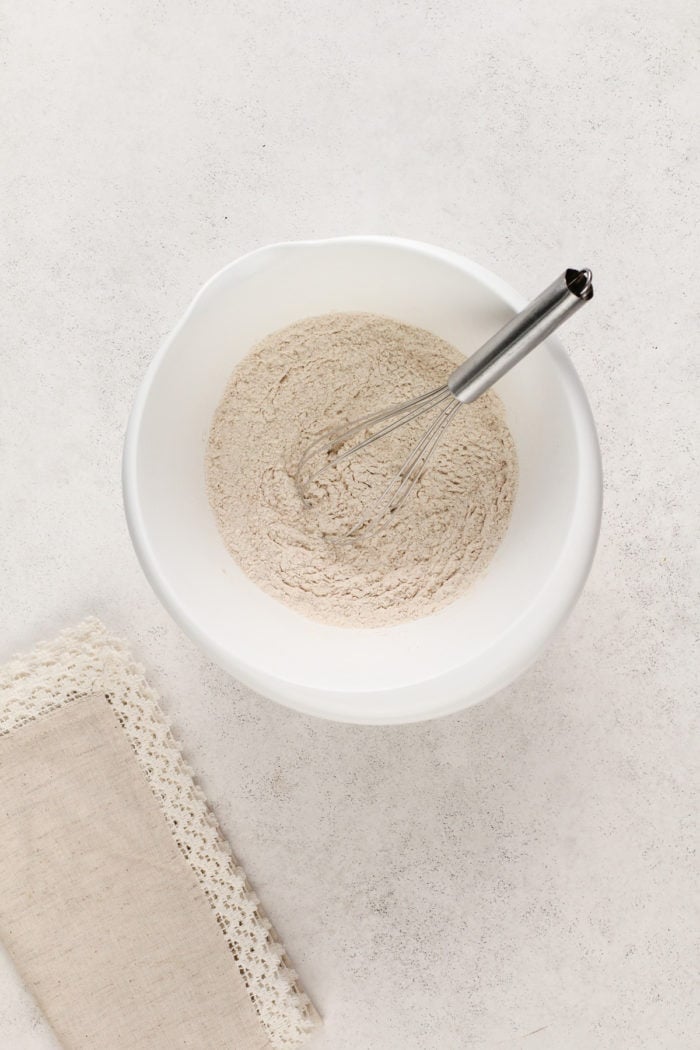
x: 468, y: 382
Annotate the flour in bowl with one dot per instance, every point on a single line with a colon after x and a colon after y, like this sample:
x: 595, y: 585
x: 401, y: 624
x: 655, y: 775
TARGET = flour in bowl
x: 320, y: 372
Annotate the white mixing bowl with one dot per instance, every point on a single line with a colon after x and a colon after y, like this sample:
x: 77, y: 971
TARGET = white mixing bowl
x: 418, y: 670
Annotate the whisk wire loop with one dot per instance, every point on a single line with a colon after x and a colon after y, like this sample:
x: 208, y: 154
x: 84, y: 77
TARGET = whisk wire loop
x: 408, y: 475
x: 323, y: 450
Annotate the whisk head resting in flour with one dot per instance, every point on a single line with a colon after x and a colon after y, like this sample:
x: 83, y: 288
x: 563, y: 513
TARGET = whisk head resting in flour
x: 336, y: 445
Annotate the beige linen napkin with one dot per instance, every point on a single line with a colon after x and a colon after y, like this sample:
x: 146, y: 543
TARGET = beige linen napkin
x: 120, y: 900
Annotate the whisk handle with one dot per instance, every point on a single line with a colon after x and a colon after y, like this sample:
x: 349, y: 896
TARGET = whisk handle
x: 521, y: 334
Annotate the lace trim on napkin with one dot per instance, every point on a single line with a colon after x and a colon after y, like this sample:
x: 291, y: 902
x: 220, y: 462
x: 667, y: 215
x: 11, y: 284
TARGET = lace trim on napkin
x: 86, y: 660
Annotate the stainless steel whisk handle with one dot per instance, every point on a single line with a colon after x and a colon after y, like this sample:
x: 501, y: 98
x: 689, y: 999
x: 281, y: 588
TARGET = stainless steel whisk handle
x: 521, y: 334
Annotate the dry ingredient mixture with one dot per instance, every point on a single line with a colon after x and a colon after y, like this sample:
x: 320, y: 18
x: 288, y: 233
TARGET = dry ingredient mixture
x: 320, y: 372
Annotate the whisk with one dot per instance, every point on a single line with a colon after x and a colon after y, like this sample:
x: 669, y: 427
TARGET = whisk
x: 469, y: 381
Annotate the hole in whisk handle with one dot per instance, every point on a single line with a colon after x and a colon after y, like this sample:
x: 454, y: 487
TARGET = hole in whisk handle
x: 580, y: 282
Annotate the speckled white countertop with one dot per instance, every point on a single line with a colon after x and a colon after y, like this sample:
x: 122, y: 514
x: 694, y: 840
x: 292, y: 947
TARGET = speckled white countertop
x: 519, y: 875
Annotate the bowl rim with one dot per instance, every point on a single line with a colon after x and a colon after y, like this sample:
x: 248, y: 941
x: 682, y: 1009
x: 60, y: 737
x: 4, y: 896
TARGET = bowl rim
x: 563, y: 585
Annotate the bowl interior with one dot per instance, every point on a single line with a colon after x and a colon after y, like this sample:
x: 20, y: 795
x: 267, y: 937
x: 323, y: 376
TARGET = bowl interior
x: 363, y: 674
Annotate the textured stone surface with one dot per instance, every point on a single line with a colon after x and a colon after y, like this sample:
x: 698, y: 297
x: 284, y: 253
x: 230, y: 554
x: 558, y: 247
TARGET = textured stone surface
x: 521, y: 874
